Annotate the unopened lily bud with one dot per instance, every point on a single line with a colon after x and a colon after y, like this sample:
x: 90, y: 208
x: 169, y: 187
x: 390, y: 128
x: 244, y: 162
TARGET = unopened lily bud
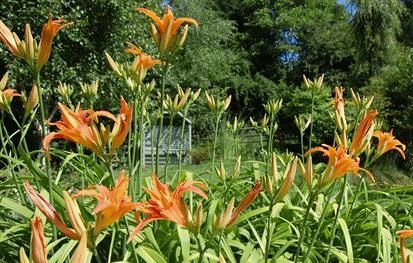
x: 289, y: 176
x: 23, y: 257
x: 30, y: 51
x: 237, y: 168
x: 74, y: 215
x: 3, y: 81
x: 180, y: 91
x: 90, y: 90
x: 211, y: 102
x: 182, y: 37
x: 221, y: 171
x: 113, y: 64
x: 155, y: 35
x: 199, y: 216
x: 38, y: 242
x: 254, y: 124
x: 273, y: 106
x: 65, y: 90
x: 307, y: 171
x: 226, y: 103
x: 264, y: 121
x: 32, y: 101
x: 268, y: 185
x: 194, y: 96
x: 314, y: 85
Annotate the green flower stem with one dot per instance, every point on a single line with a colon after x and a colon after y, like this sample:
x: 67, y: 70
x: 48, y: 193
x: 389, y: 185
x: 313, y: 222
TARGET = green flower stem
x: 135, y: 144
x: 303, y: 225
x: 353, y: 202
x: 312, y: 120
x: 19, y: 190
x: 302, y: 145
x: 340, y: 203
x: 320, y: 223
x: 168, y: 147
x: 218, y: 118
x: 158, y: 141
x: 142, y: 145
x: 269, y: 232
x: 47, y: 161
x: 200, y: 249
x: 181, y: 138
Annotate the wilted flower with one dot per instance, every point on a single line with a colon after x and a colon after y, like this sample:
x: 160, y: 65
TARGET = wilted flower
x: 113, y: 204
x: 388, y: 142
x: 50, y: 212
x: 363, y: 134
x: 164, y: 31
x: 167, y: 205
x: 229, y: 217
x: 403, y: 236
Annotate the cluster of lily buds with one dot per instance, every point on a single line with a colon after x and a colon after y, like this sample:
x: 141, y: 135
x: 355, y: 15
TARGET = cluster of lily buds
x: 175, y: 105
x: 272, y: 107
x: 36, y: 55
x: 362, y: 103
x: 236, y: 126
x: 264, y: 124
x: 164, y: 30
x: 133, y: 73
x: 302, y: 122
x: 165, y: 204
x: 81, y: 126
x: 235, y: 173
x: 6, y: 95
x: 90, y: 90
x: 314, y: 85
x: 278, y: 190
x: 192, y: 98
x: 229, y: 217
x: 66, y: 91
x: 217, y: 106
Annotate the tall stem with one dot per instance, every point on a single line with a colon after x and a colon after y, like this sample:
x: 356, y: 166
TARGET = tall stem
x: 312, y: 120
x: 158, y: 141
x: 303, y: 226
x: 269, y: 232
x: 354, y: 198
x: 200, y: 249
x: 215, y: 144
x: 302, y: 145
x: 43, y: 129
x: 168, y: 147
x: 333, y: 235
x: 181, y: 138
x: 141, y: 148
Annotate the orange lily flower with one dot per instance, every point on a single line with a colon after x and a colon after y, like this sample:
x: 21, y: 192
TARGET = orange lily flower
x: 164, y: 31
x: 50, y: 212
x: 229, y: 217
x: 6, y: 97
x: 167, y: 205
x: 49, y: 32
x: 113, y: 204
x: 388, y: 142
x: 339, y: 163
x: 403, y: 235
x: 80, y: 127
x: 363, y: 134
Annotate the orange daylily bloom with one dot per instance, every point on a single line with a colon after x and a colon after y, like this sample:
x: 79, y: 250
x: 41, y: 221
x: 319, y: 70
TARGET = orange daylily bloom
x: 80, y: 126
x: 363, y: 134
x: 403, y: 235
x: 167, y: 205
x: 49, y: 32
x: 229, y: 217
x: 339, y: 163
x: 388, y: 142
x: 165, y: 30
x: 50, y: 212
x: 113, y: 204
